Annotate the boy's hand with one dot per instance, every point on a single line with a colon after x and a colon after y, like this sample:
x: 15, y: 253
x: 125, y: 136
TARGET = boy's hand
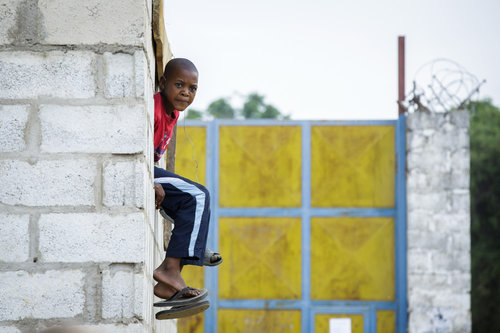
x: 159, y: 195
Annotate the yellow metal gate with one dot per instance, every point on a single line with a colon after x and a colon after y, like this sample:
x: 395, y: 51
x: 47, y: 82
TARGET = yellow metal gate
x: 309, y: 218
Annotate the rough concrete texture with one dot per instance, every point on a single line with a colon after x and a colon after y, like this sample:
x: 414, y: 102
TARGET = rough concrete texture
x: 20, y: 22
x: 13, y: 119
x: 438, y: 213
x: 76, y: 122
x: 122, y: 291
x: 120, y: 22
x: 51, y: 294
x: 9, y: 329
x: 123, y: 183
x: 14, y: 238
x: 47, y: 74
x: 8, y: 12
x: 117, y: 129
x: 100, y: 238
x: 120, y: 78
x: 64, y: 182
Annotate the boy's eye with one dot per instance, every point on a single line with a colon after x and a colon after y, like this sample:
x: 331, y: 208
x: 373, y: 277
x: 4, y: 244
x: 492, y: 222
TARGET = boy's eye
x: 178, y: 85
x: 193, y: 89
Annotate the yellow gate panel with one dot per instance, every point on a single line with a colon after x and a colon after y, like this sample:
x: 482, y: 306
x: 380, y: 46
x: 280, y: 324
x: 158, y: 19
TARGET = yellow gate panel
x: 262, y: 258
x: 190, y: 153
x: 193, y: 324
x: 352, y: 166
x: 322, y: 322
x: 352, y: 259
x: 258, y: 321
x: 194, y: 275
x: 386, y: 321
x: 260, y: 166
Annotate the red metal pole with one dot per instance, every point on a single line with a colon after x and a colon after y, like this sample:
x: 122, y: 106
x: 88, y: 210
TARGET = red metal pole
x: 401, y: 73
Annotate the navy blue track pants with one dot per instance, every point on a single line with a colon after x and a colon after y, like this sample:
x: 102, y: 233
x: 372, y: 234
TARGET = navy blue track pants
x: 188, y: 204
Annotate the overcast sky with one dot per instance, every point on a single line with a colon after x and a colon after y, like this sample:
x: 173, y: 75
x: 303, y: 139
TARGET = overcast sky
x: 330, y: 59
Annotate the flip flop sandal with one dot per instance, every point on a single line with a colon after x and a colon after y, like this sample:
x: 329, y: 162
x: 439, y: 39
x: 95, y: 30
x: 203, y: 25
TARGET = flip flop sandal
x: 207, y: 259
x: 183, y: 311
x: 179, y: 299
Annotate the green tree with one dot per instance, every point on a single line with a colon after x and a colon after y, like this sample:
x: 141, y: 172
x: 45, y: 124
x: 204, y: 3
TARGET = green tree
x: 255, y: 107
x: 485, y: 215
x: 221, y: 109
x: 194, y: 114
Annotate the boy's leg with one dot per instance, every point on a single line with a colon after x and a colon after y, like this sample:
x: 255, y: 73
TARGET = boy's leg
x: 188, y: 204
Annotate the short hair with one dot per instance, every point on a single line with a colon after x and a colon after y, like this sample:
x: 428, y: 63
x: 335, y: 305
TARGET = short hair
x: 179, y: 63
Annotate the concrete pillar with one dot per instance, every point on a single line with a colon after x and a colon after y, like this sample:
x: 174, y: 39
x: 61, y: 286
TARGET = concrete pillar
x: 439, y: 262
x: 79, y: 236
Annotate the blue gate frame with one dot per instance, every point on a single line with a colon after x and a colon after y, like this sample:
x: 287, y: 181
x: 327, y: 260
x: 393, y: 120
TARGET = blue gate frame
x: 308, y: 307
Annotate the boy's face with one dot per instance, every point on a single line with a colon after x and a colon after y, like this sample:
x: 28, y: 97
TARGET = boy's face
x: 179, y: 88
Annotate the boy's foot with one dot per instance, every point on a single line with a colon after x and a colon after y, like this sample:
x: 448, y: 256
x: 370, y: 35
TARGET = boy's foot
x: 211, y: 258
x: 165, y: 291
x: 168, y: 274
x: 180, y: 298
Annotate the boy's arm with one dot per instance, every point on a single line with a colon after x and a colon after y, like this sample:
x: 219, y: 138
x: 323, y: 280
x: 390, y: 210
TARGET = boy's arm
x: 159, y: 195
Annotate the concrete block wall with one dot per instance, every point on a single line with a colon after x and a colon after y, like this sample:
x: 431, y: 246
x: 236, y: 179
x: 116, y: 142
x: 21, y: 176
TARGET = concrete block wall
x: 80, y: 237
x: 439, y: 262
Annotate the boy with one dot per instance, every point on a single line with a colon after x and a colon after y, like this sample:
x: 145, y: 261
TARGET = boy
x: 186, y: 202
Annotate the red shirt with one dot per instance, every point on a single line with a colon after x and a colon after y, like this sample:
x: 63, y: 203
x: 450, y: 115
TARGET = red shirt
x: 164, y: 126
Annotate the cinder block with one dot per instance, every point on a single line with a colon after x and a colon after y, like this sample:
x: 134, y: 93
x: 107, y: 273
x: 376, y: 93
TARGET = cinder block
x: 430, y: 160
x: 460, y: 159
x: 460, y: 118
x: 427, y: 318
x: 418, y: 220
x: 418, y: 261
x: 14, y: 238
x: 122, y: 292
x: 123, y: 183
x: 18, y: 21
x: 52, y: 294
x: 121, y: 22
x: 100, y: 238
x: 141, y: 74
x: 13, y: 119
x: 47, y: 183
x: 433, y: 202
x: 425, y: 120
x: 117, y: 129
x: 425, y: 240
x: 460, y: 201
x: 443, y: 283
x: 450, y: 261
x: 8, y: 15
x: 120, y: 78
x: 58, y: 74
x: 9, y: 329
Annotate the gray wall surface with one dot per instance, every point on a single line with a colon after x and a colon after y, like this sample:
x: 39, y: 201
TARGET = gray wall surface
x: 439, y: 262
x: 79, y: 236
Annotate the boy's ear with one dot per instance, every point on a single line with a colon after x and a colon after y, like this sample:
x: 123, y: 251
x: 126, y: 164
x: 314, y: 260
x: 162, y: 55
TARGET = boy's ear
x: 163, y: 82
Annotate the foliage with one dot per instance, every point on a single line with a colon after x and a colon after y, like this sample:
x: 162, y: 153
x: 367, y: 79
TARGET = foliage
x: 221, y: 109
x: 485, y: 215
x: 254, y: 107
x: 194, y: 114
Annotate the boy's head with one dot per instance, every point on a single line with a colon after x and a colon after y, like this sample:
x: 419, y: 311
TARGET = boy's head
x: 178, y: 84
